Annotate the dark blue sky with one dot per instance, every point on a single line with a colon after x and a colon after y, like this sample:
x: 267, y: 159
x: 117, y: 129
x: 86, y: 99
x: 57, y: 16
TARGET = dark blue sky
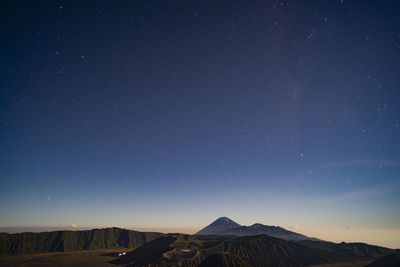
x: 169, y: 113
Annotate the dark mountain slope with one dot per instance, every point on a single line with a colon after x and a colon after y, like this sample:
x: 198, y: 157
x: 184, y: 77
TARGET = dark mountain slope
x: 392, y: 260
x: 268, y: 251
x: 223, y: 260
x: 264, y: 250
x: 171, y: 250
x: 148, y: 253
x: 347, y: 251
x: 28, y: 243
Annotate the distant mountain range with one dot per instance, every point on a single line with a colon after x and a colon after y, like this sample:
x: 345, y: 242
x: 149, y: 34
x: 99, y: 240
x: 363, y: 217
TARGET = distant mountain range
x: 227, y: 227
x: 60, y: 241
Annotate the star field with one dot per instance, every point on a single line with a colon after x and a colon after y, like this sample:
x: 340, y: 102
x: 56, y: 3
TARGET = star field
x: 285, y: 112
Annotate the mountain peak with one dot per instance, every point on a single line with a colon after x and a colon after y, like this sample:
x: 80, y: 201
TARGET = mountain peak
x: 224, y: 221
x: 220, y: 224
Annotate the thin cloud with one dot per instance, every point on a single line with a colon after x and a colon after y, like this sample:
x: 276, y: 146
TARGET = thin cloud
x: 359, y: 163
x: 366, y: 192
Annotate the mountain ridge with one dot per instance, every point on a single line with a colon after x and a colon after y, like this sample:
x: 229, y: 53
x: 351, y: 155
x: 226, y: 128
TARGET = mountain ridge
x: 67, y: 240
x: 226, y: 226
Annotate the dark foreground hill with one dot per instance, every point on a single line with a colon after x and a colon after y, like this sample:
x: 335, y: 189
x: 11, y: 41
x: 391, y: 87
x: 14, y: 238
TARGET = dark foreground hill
x: 226, y: 226
x: 223, y: 260
x: 57, y: 241
x: 261, y: 250
x: 392, y: 260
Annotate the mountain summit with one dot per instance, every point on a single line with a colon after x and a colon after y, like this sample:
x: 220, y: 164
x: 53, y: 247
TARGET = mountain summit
x: 220, y: 225
x: 224, y: 221
x: 225, y: 226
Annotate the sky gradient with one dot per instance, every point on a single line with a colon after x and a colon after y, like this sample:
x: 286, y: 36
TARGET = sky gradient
x: 169, y: 114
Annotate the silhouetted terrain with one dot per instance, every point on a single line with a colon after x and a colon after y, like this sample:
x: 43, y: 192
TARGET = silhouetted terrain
x: 261, y: 250
x: 108, y: 238
x: 225, y: 226
x: 86, y: 258
x: 223, y: 260
x: 392, y: 260
x: 156, y: 249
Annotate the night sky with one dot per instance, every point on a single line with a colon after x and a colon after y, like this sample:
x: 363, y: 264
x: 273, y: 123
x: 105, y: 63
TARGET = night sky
x: 169, y: 114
